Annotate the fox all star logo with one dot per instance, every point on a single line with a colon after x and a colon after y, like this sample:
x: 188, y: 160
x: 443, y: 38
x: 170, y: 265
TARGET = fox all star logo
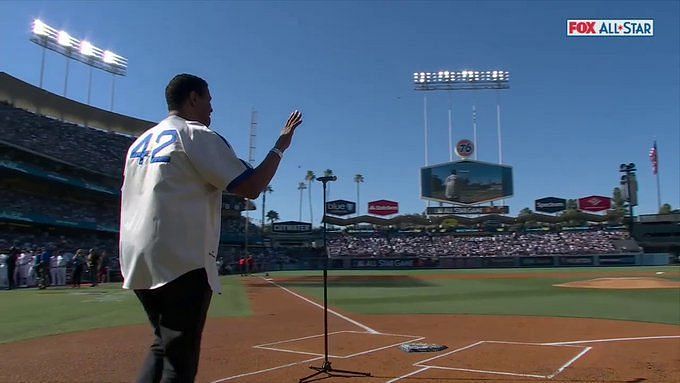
x: 610, y: 28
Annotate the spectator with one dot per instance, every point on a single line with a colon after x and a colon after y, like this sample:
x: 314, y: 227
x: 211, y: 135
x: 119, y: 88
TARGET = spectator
x: 93, y: 267
x: 104, y: 267
x: 61, y: 269
x: 78, y: 265
x: 11, y: 263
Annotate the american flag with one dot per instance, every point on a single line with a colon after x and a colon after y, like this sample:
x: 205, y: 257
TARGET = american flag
x: 654, y: 157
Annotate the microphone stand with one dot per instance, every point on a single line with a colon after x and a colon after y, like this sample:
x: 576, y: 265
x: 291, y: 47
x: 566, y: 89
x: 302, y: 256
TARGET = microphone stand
x: 326, y: 368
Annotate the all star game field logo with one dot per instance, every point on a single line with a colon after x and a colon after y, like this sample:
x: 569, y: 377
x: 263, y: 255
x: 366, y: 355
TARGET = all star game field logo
x: 610, y: 28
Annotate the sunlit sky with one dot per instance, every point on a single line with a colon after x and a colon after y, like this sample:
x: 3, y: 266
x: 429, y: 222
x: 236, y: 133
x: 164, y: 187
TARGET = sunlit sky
x: 575, y: 110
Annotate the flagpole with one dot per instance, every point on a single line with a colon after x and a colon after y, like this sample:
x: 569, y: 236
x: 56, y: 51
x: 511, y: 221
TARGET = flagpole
x: 655, y: 161
x: 658, y: 190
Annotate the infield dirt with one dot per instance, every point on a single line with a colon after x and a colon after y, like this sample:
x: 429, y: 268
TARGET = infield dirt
x: 228, y: 352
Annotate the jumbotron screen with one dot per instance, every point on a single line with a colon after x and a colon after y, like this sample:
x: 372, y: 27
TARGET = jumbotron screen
x: 466, y: 182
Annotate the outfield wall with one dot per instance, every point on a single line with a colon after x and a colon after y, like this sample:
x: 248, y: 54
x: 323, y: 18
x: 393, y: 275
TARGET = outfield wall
x: 588, y: 260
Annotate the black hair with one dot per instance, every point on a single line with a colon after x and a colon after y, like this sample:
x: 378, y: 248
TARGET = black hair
x: 180, y: 87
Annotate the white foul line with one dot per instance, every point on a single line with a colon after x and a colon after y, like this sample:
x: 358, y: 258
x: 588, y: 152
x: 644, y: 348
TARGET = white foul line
x: 488, y: 372
x: 407, y: 375
x: 419, y: 364
x: 266, y: 370
x: 611, y: 340
x: 569, y: 363
x: 559, y: 370
x: 352, y: 321
x: 296, y: 339
x: 384, y: 347
x: 267, y: 346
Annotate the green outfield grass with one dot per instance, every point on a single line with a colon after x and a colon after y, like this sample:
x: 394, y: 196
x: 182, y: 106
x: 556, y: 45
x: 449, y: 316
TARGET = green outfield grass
x: 511, y: 296
x: 31, y: 313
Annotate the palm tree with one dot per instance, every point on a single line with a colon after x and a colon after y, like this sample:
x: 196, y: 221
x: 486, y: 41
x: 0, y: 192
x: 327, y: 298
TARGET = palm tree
x: 272, y: 216
x: 301, y: 186
x: 266, y: 190
x: 358, y: 178
x: 309, y: 178
x: 328, y: 173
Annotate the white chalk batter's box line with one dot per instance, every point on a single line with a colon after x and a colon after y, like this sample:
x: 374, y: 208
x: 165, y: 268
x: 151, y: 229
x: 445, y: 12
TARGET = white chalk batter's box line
x: 584, y: 350
x: 588, y: 341
x: 266, y: 346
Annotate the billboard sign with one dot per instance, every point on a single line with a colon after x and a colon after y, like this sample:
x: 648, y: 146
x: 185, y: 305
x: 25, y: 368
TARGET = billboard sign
x: 465, y: 148
x: 594, y: 203
x: 292, y: 227
x: 341, y: 207
x: 463, y: 210
x: 466, y: 182
x: 550, y: 204
x: 383, y: 207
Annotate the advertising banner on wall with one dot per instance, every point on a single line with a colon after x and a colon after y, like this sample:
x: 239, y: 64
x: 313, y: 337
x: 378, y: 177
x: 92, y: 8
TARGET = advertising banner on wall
x: 383, y: 207
x: 594, y: 203
x: 341, y: 207
x: 463, y: 210
x: 550, y: 204
x: 292, y: 227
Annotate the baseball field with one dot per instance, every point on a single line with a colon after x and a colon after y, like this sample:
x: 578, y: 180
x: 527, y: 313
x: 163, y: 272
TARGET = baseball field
x: 510, y: 325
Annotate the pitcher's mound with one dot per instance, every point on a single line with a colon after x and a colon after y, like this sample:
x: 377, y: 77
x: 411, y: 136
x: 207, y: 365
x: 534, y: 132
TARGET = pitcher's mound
x: 623, y: 283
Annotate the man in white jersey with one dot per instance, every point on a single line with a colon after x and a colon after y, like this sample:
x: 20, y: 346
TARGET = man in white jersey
x: 171, y: 198
x: 450, y: 182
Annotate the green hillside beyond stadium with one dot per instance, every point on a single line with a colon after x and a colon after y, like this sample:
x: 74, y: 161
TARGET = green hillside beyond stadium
x: 31, y: 313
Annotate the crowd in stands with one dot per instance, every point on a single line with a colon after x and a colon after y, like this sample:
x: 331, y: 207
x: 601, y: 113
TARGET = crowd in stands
x: 380, y: 245
x: 92, y: 149
x: 30, y: 240
x: 58, y: 208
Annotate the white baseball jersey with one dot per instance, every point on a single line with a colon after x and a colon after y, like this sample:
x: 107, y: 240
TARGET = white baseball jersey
x: 171, y: 201
x: 450, y: 191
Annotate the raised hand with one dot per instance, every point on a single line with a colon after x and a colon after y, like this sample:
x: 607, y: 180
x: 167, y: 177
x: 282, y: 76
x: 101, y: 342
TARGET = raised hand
x: 288, y: 130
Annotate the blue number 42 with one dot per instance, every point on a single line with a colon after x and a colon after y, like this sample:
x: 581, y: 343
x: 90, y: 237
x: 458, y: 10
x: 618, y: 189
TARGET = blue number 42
x: 140, y: 151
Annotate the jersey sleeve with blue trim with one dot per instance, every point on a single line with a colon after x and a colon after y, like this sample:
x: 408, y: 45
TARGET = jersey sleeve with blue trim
x: 213, y: 157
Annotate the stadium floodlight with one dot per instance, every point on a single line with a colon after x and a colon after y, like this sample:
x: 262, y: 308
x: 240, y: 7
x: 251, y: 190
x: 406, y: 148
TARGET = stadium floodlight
x: 109, y: 57
x: 64, y: 39
x: 461, y: 80
x: 84, y: 51
x: 86, y: 48
x: 448, y: 80
x: 63, y: 43
x: 39, y: 28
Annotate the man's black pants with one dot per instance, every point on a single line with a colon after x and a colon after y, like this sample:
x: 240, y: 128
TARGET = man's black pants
x: 177, y: 313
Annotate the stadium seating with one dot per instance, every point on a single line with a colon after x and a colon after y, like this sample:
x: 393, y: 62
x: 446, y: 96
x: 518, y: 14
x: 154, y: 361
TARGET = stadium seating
x: 89, y: 148
x: 582, y: 242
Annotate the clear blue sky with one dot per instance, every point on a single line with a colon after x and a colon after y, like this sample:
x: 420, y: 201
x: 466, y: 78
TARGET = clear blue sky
x: 577, y: 107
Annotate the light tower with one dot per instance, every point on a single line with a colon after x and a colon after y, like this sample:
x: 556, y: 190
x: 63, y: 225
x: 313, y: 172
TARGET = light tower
x: 445, y: 80
x: 251, y: 161
x: 81, y: 50
x: 461, y: 80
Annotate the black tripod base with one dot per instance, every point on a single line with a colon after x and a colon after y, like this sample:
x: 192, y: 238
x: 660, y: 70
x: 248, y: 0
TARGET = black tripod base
x: 330, y: 372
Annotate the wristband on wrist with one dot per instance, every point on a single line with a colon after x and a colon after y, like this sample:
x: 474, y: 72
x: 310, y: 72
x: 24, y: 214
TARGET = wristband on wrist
x: 278, y: 152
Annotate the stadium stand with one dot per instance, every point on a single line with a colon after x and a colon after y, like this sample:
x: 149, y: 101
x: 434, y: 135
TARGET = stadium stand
x: 567, y: 243
x: 92, y: 149
x: 60, y: 175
